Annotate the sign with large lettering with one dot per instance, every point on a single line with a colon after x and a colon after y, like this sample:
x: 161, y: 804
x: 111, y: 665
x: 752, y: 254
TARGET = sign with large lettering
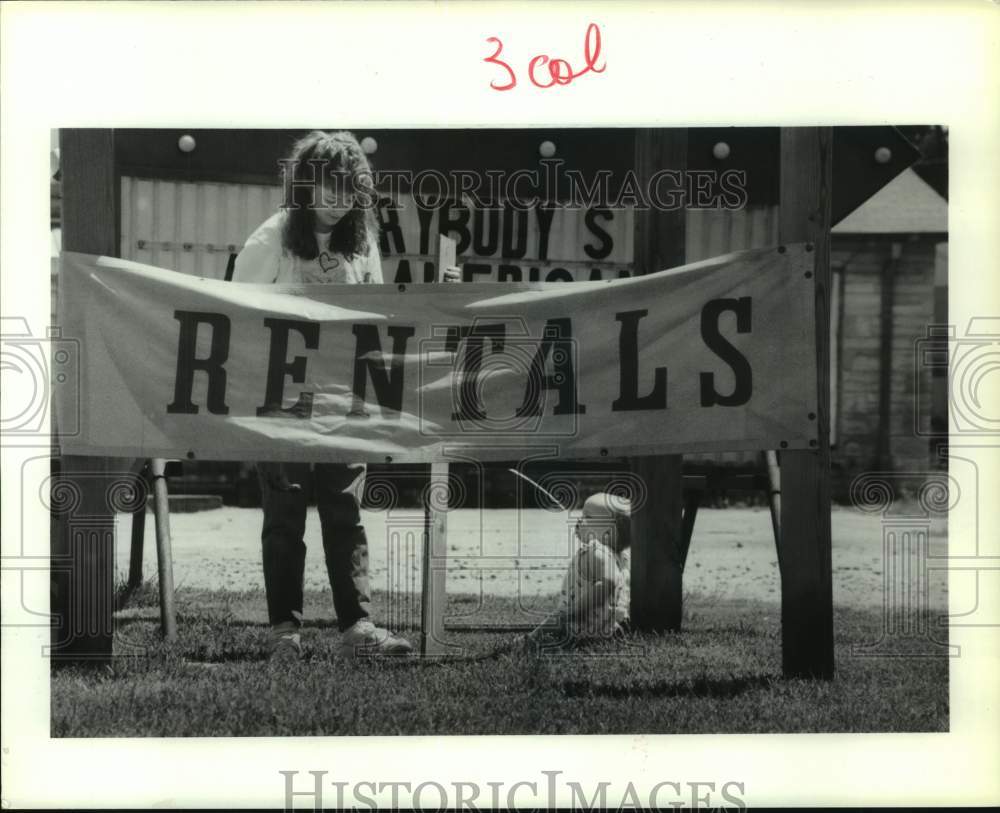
x: 199, y: 228
x: 508, y: 243
x: 714, y: 356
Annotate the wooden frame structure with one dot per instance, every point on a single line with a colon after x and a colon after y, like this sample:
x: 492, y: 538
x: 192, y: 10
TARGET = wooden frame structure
x: 82, y: 549
x: 83, y: 540
x: 804, y: 538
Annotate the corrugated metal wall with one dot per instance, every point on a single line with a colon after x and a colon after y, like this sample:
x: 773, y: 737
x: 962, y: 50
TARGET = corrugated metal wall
x: 712, y: 232
x: 191, y: 227
x: 194, y: 227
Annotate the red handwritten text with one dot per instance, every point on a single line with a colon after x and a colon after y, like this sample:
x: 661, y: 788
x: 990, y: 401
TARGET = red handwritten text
x: 559, y: 71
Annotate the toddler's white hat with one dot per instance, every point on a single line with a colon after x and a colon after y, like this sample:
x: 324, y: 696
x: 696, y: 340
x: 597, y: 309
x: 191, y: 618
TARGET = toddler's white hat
x: 603, y: 505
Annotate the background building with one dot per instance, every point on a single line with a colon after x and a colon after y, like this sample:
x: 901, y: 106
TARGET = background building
x: 890, y: 258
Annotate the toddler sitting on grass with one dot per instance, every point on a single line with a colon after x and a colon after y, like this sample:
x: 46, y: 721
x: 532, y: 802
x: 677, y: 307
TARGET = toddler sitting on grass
x: 595, y: 591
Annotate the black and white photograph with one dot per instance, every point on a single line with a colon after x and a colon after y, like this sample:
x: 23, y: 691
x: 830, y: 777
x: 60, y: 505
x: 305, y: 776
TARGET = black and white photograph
x: 325, y: 430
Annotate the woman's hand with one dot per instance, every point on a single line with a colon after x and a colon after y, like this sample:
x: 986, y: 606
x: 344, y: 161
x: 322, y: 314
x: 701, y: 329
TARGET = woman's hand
x: 452, y: 274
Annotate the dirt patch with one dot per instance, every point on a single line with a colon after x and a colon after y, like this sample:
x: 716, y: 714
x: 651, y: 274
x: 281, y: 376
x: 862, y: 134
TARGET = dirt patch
x: 507, y: 553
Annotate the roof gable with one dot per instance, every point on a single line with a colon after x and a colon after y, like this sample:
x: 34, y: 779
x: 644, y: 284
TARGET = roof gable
x: 905, y: 205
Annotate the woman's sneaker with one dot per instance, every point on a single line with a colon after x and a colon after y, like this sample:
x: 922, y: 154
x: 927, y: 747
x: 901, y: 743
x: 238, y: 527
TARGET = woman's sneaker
x: 365, y: 639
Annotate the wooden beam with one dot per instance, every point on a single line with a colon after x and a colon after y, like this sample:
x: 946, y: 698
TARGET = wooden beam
x: 164, y: 553
x: 136, y: 549
x: 434, y: 585
x: 692, y: 501
x: 883, y: 459
x: 774, y: 492
x: 658, y: 544
x: 804, y: 539
x: 83, y: 537
x: 138, y: 543
x: 435, y: 558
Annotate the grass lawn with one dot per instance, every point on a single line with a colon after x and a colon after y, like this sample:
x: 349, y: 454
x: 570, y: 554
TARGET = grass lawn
x: 722, y: 674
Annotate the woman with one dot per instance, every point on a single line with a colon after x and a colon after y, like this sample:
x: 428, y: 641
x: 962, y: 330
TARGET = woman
x: 326, y: 232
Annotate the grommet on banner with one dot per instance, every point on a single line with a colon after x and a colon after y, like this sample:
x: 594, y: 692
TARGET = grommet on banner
x: 546, y: 149
x: 186, y: 143
x: 369, y: 145
x: 883, y: 155
x: 721, y: 151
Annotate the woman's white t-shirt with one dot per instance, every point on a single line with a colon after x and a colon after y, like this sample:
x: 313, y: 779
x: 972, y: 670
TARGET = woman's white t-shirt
x: 263, y: 259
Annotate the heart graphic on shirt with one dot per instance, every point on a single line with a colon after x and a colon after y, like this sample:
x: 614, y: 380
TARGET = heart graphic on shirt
x: 328, y: 262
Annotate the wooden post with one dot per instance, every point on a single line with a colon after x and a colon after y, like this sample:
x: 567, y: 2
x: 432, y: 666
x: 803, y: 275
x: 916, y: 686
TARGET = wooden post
x: 83, y: 539
x: 804, y: 540
x: 692, y: 501
x: 658, y: 549
x: 138, y: 542
x: 164, y: 555
x: 435, y: 555
x: 883, y: 458
x: 434, y: 587
x: 774, y: 492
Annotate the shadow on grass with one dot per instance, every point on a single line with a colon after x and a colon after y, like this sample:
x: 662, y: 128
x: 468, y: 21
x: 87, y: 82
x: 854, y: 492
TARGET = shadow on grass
x: 123, y: 621
x: 698, y: 687
x: 206, y: 658
x: 722, y: 674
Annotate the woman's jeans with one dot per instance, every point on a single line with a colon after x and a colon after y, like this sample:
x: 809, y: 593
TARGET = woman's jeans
x: 344, y: 544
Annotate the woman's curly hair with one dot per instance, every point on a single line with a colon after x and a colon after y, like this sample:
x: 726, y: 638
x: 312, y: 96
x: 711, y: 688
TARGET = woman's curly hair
x: 339, y: 157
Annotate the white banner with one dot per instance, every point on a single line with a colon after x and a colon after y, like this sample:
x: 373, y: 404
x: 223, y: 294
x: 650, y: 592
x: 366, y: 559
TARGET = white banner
x: 714, y: 356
